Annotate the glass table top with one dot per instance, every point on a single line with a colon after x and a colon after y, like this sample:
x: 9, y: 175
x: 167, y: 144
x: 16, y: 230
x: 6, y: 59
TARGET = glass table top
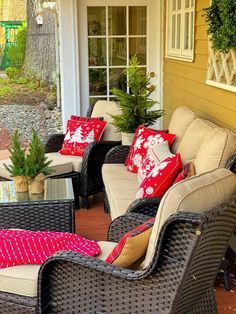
x: 54, y: 190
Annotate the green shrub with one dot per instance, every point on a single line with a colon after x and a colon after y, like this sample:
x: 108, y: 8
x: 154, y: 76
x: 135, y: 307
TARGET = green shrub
x: 12, y: 72
x: 221, y: 19
x: 16, y: 53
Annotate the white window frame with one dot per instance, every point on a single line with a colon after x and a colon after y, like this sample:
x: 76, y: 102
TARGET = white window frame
x: 180, y: 53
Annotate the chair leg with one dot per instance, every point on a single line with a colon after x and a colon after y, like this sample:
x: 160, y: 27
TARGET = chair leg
x: 85, y: 202
x: 225, y: 270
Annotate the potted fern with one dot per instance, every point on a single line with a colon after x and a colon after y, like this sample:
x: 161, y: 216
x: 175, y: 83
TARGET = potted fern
x: 136, y: 105
x: 17, y: 169
x: 37, y: 165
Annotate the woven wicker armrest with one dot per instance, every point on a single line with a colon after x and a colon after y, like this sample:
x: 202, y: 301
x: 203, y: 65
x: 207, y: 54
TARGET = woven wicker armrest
x: 94, y: 156
x: 145, y: 206
x: 54, y: 143
x: 123, y: 224
x: 117, y: 155
x: 231, y: 163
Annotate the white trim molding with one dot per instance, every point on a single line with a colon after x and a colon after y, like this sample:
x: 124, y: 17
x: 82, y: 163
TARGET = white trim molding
x: 69, y: 58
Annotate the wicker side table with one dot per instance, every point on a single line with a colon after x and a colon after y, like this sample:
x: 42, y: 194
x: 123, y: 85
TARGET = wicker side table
x: 51, y: 211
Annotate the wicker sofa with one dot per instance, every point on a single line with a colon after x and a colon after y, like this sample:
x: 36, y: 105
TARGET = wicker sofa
x: 85, y: 171
x: 197, y: 140
x: 188, y: 241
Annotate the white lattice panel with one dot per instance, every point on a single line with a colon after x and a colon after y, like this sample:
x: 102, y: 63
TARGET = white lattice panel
x: 222, y: 69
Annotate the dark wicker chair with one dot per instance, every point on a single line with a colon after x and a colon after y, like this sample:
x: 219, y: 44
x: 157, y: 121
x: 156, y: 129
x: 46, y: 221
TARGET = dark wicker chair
x: 180, y: 279
x: 89, y: 180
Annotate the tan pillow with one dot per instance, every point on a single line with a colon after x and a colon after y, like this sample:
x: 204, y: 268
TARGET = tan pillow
x: 192, y: 139
x: 181, y: 118
x: 132, y: 246
x: 215, y: 150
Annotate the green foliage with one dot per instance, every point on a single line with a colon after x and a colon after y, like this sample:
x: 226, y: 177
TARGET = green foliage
x: 36, y: 161
x: 17, y: 156
x: 221, y: 18
x: 135, y: 107
x: 5, y: 90
x: 12, y: 72
x: 16, y: 53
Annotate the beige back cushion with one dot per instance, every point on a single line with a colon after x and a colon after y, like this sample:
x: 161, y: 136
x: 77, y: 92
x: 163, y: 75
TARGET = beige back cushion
x: 181, y: 118
x: 192, y: 139
x: 103, y: 108
x: 196, y: 194
x: 215, y: 150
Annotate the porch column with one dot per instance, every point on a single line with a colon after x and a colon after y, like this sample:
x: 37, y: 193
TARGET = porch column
x: 69, y: 58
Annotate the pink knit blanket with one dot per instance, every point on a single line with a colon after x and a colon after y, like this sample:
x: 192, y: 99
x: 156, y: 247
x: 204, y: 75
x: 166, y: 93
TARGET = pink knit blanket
x: 20, y: 247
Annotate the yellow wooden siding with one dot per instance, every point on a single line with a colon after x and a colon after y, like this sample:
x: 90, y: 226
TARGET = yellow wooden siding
x: 185, y: 82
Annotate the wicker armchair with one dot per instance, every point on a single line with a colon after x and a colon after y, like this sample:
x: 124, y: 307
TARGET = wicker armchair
x: 89, y: 180
x: 179, y: 280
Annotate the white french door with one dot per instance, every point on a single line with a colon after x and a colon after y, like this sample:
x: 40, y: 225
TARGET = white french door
x: 110, y: 32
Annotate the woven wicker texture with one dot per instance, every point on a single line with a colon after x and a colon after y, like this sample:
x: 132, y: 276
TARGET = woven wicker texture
x: 117, y: 155
x: 14, y: 304
x: 50, y: 216
x: 179, y: 280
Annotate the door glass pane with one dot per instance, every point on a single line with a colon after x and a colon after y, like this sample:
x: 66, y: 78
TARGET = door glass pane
x: 97, y: 51
x: 98, y: 81
x: 186, y: 33
x: 117, y: 20
x: 173, y: 31
x: 118, y: 79
x: 178, y: 30
x: 174, y: 5
x: 187, y: 3
x: 179, y: 4
x: 137, y: 20
x: 93, y: 100
x: 117, y: 51
x: 138, y: 46
x: 96, y: 21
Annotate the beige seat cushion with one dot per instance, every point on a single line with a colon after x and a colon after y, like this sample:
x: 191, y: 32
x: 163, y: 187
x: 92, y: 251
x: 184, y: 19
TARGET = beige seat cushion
x: 192, y: 139
x: 106, y: 248
x: 119, y: 207
x: 117, y: 171
x: 181, y: 118
x: 20, y: 280
x: 215, y: 150
x: 76, y: 161
x: 103, y: 108
x: 196, y: 194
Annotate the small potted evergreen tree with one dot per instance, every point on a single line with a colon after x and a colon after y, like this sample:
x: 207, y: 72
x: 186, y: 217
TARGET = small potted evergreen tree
x: 37, y: 165
x: 17, y: 169
x: 136, y: 105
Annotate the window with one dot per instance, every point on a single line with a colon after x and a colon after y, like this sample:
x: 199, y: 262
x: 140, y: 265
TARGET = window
x: 180, y: 21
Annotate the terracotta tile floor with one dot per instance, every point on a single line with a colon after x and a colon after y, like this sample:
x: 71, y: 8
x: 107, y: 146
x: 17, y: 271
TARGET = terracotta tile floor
x: 93, y: 224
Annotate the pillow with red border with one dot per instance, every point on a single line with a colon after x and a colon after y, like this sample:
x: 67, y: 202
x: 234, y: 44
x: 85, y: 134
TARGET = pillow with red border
x: 144, y: 139
x: 187, y: 172
x: 78, y: 118
x: 79, y: 134
x: 161, y: 178
x: 132, y: 246
x: 153, y: 158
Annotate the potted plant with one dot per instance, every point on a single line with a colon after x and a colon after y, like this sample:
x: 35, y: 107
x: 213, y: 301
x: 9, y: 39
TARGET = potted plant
x: 136, y: 105
x: 17, y: 168
x: 37, y: 165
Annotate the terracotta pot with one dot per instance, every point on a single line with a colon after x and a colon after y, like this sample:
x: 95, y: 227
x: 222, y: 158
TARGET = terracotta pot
x: 127, y: 138
x: 37, y: 184
x: 21, y: 184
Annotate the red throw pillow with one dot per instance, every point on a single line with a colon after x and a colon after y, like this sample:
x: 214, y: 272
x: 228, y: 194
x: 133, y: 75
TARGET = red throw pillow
x: 153, y: 158
x: 160, y: 178
x: 79, y: 134
x: 187, y: 172
x: 84, y: 119
x: 20, y: 247
x: 144, y: 138
x: 132, y: 246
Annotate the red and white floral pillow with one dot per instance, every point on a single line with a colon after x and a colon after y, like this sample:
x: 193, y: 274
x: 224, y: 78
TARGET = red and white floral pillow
x: 161, y: 177
x: 153, y: 158
x: 79, y: 134
x: 144, y: 139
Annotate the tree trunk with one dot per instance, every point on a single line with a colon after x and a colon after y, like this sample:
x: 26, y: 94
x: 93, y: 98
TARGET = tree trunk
x: 40, y: 60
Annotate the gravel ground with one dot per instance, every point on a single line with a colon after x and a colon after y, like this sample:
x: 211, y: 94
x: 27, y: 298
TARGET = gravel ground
x: 24, y: 118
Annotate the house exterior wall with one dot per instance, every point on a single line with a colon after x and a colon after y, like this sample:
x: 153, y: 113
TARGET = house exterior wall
x: 184, y: 82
